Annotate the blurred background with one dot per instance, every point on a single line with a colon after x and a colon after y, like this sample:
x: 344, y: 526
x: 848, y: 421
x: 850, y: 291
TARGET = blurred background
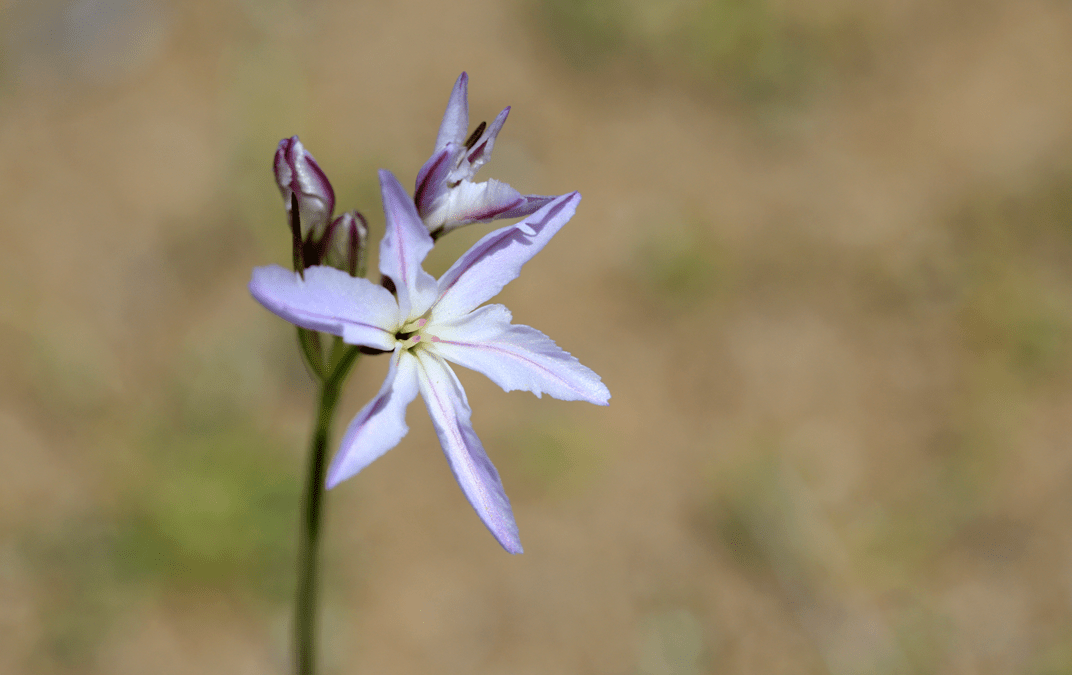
x: 823, y: 262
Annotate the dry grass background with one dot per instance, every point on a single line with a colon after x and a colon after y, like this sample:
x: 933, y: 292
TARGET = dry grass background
x: 823, y: 262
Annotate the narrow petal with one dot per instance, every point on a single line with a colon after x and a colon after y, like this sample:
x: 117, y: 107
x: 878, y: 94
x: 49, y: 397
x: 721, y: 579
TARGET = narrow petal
x: 497, y: 258
x: 480, y: 151
x: 529, y: 204
x: 404, y: 246
x: 331, y: 301
x: 516, y: 357
x: 456, y: 118
x: 475, y: 202
x: 432, y: 180
x: 381, y: 424
x: 445, y: 398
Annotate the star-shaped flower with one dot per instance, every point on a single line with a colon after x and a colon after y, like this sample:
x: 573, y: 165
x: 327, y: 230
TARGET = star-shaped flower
x: 445, y: 195
x: 425, y: 323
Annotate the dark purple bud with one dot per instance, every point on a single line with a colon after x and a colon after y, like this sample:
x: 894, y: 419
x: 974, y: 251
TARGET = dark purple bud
x: 298, y: 175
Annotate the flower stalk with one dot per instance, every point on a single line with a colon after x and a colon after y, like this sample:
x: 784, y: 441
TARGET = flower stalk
x: 305, y: 617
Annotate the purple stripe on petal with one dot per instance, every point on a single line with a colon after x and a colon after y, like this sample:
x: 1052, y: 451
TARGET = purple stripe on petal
x: 313, y: 178
x: 380, y: 425
x: 404, y: 246
x: 431, y: 179
x: 529, y: 204
x: 493, y: 211
x: 497, y: 258
x: 516, y: 357
x: 502, y: 354
x: 482, y: 150
x: 476, y: 475
x: 477, y: 153
x: 297, y: 173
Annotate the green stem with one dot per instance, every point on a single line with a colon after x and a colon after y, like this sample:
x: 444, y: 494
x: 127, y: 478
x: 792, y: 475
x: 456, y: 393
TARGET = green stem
x: 311, y: 517
x: 312, y: 353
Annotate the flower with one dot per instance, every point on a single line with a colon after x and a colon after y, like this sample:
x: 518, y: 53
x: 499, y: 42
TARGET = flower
x: 445, y: 195
x: 425, y: 323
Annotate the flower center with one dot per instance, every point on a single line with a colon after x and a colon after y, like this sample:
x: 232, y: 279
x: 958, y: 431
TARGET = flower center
x: 410, y: 333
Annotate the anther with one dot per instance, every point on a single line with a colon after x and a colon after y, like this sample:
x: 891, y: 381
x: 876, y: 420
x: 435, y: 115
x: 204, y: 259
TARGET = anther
x: 475, y: 136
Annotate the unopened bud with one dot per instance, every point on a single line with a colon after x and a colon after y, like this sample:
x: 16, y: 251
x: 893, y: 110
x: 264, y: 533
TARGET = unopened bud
x: 298, y: 175
x: 345, y: 242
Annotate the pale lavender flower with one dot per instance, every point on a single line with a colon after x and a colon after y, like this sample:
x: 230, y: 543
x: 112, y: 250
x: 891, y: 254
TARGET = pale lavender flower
x: 445, y: 195
x: 425, y: 323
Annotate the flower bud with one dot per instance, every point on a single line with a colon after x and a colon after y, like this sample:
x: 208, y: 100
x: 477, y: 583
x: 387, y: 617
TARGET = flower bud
x: 345, y: 242
x: 298, y: 175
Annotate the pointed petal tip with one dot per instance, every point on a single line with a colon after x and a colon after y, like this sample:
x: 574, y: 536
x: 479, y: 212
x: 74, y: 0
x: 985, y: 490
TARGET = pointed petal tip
x: 602, y: 396
x: 508, y: 537
x: 337, y: 475
x: 514, y: 548
x: 338, y: 471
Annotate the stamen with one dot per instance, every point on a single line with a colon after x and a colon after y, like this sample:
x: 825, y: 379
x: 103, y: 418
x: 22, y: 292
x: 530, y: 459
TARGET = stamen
x: 411, y: 327
x: 409, y: 335
x: 475, y: 136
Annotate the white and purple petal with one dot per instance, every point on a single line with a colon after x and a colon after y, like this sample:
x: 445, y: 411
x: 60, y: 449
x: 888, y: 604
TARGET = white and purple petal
x: 449, y: 410
x: 479, y: 151
x: 405, y: 244
x: 431, y: 183
x: 497, y: 258
x: 455, y: 122
x: 516, y: 357
x: 381, y: 424
x: 331, y: 301
x: 529, y: 204
x: 472, y: 202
